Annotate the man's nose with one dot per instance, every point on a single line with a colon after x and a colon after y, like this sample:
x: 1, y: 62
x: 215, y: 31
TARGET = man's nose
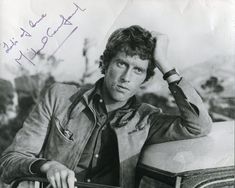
x: 126, y: 76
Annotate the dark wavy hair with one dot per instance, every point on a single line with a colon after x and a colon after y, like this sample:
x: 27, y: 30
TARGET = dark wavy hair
x: 133, y: 40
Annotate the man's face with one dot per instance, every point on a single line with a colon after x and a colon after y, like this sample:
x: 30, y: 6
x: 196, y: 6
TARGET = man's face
x: 124, y: 76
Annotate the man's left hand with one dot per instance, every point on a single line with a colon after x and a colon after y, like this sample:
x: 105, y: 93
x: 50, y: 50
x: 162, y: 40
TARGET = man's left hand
x: 160, y: 52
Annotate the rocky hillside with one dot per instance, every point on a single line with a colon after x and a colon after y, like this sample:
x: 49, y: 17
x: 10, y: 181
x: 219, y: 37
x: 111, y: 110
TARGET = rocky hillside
x: 221, y: 67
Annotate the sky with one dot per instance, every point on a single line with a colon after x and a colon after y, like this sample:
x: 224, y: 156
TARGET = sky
x: 198, y: 30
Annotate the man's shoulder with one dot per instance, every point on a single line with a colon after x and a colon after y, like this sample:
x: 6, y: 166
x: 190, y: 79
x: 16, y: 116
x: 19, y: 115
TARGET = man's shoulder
x: 68, y: 88
x: 60, y: 96
x: 60, y: 88
x: 64, y: 91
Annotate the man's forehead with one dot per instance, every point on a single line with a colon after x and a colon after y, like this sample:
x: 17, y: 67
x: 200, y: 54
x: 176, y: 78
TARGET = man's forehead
x: 124, y: 56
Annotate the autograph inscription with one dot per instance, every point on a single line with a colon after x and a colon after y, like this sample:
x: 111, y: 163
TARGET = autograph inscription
x: 34, y: 24
x: 49, y: 33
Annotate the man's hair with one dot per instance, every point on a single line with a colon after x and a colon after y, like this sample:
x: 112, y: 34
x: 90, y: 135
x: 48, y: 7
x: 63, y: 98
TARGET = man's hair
x: 133, y: 40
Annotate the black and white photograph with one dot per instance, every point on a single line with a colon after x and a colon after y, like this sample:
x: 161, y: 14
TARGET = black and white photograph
x: 117, y: 93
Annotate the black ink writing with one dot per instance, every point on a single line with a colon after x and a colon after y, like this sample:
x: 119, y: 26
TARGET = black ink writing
x: 32, y: 53
x: 44, y: 41
x: 25, y: 33
x: 77, y: 8
x: 9, y: 47
x: 21, y: 56
x: 63, y: 22
x: 50, y: 32
x: 35, y: 23
x: 65, y: 40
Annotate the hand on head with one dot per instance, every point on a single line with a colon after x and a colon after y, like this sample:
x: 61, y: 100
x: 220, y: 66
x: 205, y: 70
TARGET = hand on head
x: 160, y: 52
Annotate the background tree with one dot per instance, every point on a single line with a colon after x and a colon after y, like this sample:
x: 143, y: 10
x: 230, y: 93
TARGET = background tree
x: 220, y: 109
x: 87, y: 71
x: 6, y: 100
x: 213, y: 85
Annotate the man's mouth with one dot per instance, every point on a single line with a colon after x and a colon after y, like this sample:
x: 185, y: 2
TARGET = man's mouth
x: 122, y: 88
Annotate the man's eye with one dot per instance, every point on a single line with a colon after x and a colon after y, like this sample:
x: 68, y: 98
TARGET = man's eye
x: 120, y: 64
x: 139, y: 70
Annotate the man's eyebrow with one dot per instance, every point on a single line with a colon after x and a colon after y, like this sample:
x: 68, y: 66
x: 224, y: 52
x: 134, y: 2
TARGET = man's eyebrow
x: 141, y: 68
x: 121, y: 60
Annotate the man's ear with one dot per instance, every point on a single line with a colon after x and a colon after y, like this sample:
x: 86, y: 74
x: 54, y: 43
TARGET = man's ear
x: 102, y: 68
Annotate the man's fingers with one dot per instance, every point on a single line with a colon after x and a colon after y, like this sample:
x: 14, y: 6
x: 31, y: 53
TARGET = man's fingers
x: 58, y: 180
x: 63, y: 178
x: 160, y: 38
x: 160, y: 51
x: 52, y: 181
x: 158, y: 35
x: 59, y: 175
x: 71, y: 179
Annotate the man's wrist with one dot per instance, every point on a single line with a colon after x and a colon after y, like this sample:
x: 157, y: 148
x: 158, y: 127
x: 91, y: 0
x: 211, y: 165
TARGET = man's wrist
x: 35, y: 167
x: 171, y: 76
x: 46, y: 166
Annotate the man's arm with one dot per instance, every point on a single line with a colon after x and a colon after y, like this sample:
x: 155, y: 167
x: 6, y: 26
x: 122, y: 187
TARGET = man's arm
x: 194, y: 120
x: 17, y: 159
x: 22, y: 158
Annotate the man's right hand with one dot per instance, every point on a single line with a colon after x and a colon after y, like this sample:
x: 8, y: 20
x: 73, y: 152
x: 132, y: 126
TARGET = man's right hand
x: 58, y: 175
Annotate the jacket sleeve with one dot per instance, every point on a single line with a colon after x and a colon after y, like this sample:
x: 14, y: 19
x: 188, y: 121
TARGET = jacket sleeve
x: 28, y: 142
x: 193, y: 121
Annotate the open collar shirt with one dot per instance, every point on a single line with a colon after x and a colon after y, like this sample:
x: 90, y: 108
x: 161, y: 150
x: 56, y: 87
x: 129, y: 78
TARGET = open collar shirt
x: 99, y: 161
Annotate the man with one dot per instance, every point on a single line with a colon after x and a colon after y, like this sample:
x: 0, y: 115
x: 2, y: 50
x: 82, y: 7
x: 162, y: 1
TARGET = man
x: 96, y: 135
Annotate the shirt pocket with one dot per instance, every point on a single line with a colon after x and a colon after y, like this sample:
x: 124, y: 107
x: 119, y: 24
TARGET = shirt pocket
x: 138, y: 129
x: 58, y: 146
x: 138, y: 135
x: 62, y: 131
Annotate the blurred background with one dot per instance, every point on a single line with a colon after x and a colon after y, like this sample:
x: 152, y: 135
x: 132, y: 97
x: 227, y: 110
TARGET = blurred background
x: 201, y: 34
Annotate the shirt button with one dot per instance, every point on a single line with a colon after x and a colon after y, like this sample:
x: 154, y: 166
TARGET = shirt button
x: 88, y: 180
x: 96, y: 155
x: 101, y: 100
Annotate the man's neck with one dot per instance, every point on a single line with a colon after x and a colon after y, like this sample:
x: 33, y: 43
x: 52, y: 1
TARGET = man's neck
x: 114, y: 106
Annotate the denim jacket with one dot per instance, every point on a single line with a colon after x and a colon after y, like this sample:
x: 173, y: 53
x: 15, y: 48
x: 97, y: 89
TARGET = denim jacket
x: 64, y: 107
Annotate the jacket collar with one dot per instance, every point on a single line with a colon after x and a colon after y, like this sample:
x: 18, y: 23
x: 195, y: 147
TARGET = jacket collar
x: 86, y: 93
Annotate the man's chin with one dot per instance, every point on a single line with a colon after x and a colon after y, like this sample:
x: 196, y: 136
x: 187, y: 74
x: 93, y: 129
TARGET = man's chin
x: 120, y: 98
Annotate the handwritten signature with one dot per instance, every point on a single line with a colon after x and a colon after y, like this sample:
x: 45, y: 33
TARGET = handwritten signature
x: 23, y: 34
x: 50, y: 33
x: 35, y: 23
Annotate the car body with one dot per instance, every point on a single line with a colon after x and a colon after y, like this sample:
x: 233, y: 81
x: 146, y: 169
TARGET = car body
x: 194, y: 163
